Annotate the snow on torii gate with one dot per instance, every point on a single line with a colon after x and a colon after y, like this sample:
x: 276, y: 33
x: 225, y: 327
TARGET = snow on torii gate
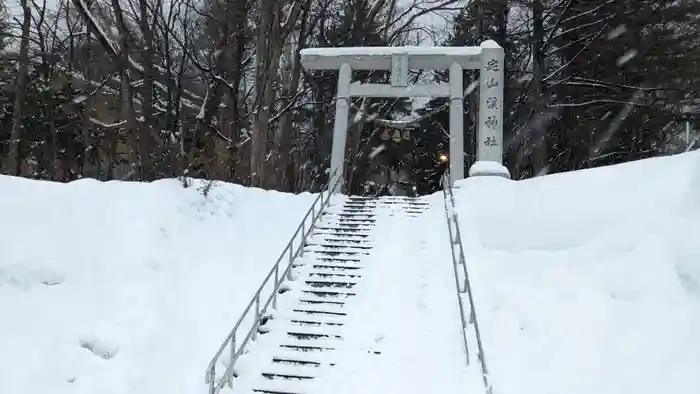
x: 488, y: 57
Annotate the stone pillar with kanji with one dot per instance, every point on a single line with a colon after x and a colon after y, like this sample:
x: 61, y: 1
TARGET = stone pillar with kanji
x: 490, y: 144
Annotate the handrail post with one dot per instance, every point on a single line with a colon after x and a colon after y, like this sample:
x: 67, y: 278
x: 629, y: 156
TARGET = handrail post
x: 291, y: 260
x: 211, y: 375
x: 257, y: 317
x: 277, y: 282
x: 229, y: 378
x: 303, y: 238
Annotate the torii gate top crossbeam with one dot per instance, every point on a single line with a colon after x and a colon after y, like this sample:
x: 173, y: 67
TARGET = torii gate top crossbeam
x: 380, y: 58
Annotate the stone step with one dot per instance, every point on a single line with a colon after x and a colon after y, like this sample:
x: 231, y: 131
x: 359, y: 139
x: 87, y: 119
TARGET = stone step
x: 316, y: 358
x: 337, y: 266
x: 283, y: 386
x: 330, y: 284
x: 331, y: 274
x: 332, y: 244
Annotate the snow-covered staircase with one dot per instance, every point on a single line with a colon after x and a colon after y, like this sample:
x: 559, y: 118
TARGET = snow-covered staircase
x: 298, y: 341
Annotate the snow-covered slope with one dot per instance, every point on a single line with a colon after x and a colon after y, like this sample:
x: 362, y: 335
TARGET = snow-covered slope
x: 589, y: 282
x: 124, y: 287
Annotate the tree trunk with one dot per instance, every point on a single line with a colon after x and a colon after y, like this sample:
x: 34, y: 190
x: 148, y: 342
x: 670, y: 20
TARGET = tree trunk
x: 231, y: 120
x: 13, y: 162
x: 146, y: 143
x: 285, y: 130
x: 258, y: 144
x: 126, y: 94
x: 538, y: 122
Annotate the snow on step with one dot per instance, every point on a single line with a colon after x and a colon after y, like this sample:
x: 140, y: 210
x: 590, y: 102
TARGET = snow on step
x: 307, y: 348
x: 331, y: 263
x: 279, y: 386
x: 350, y: 232
x: 353, y: 221
x: 317, y: 310
x: 331, y: 331
x: 330, y: 282
x: 331, y: 227
x: 306, y: 321
x: 334, y: 236
x: 314, y: 300
x: 336, y: 266
x: 328, y: 292
x: 340, y: 236
x: 329, y: 273
x: 323, y: 343
x: 302, y: 370
x: 345, y: 220
x: 322, y: 309
x: 332, y: 293
x: 339, y: 259
x: 300, y: 321
x: 325, y: 290
x: 336, y: 251
x: 344, y: 228
x: 349, y: 223
x: 309, y: 317
x: 317, y: 358
x: 328, y: 252
x: 364, y: 210
x: 318, y: 270
x: 339, y: 255
x: 352, y: 216
x: 339, y: 243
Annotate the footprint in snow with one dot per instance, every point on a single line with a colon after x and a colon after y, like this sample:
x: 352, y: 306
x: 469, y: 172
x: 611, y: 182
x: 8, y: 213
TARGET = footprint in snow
x: 690, y: 284
x: 688, y: 274
x: 22, y: 277
x: 99, y: 348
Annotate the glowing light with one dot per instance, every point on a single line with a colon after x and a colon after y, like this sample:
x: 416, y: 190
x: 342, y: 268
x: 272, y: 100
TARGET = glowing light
x: 443, y: 158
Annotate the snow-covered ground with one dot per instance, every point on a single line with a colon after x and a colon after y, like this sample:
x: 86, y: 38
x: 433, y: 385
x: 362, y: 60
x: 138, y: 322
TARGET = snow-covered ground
x: 128, y: 288
x: 589, y: 282
x: 586, y: 282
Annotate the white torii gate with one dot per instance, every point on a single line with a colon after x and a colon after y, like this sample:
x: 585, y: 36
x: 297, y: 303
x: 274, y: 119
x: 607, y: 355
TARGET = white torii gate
x: 488, y: 57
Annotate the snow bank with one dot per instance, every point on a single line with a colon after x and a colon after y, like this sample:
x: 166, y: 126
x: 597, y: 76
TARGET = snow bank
x: 489, y: 168
x: 127, y: 287
x: 588, y: 282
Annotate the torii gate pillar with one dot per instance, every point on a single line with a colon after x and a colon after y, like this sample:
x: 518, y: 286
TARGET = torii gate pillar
x: 488, y: 58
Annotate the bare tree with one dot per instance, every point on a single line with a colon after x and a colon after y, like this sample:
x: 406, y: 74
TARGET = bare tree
x: 13, y: 164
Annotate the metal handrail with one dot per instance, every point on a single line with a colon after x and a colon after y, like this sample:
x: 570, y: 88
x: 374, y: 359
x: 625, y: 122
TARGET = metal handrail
x: 321, y: 202
x: 458, y: 261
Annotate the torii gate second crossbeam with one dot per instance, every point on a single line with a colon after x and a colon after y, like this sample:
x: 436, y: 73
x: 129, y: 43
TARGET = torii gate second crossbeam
x: 488, y: 57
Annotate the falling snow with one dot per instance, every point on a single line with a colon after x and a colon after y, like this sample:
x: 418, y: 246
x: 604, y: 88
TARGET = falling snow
x: 629, y: 55
x: 617, y: 32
